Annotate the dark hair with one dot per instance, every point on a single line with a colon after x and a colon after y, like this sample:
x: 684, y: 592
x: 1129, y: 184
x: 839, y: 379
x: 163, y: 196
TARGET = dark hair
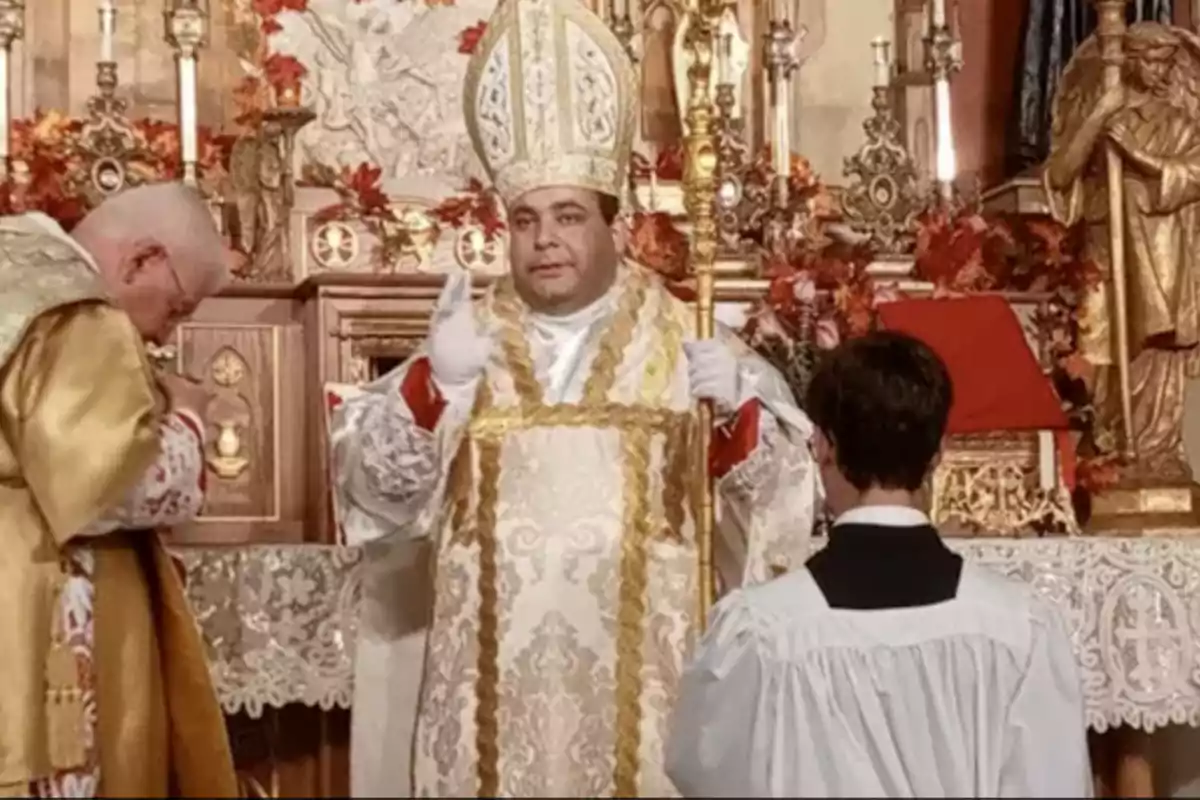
x: 610, y: 206
x: 882, y: 400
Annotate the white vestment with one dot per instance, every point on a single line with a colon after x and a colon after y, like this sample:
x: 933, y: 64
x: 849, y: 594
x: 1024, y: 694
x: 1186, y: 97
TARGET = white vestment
x: 556, y: 502
x: 977, y: 696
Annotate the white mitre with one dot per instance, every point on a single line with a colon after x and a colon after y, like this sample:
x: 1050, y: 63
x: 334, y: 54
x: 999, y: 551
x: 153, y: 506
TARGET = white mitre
x: 549, y: 99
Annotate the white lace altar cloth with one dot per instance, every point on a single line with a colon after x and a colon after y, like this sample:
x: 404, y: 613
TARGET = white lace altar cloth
x: 280, y: 620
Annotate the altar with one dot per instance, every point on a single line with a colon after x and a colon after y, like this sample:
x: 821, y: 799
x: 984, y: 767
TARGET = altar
x: 282, y: 622
x: 329, y: 138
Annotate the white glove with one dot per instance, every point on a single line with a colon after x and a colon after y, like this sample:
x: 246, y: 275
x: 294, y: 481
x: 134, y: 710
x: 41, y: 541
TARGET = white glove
x: 713, y: 373
x: 458, y: 350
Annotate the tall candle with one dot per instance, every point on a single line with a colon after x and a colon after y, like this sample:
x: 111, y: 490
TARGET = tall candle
x: 108, y: 25
x: 945, y: 166
x: 724, y: 56
x: 939, y: 13
x: 883, y: 67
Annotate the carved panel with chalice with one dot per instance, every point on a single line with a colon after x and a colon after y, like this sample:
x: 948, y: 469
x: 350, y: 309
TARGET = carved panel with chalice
x: 240, y: 365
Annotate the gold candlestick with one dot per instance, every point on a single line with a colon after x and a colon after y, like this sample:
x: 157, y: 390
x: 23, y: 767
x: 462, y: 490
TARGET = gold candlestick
x: 12, y: 28
x: 186, y: 23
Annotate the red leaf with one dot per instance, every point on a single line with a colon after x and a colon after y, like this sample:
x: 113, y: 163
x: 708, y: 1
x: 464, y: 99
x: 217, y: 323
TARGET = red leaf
x: 468, y: 38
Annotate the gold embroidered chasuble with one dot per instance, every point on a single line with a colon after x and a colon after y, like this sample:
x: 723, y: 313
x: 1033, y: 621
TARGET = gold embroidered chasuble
x: 79, y: 425
x: 566, y: 567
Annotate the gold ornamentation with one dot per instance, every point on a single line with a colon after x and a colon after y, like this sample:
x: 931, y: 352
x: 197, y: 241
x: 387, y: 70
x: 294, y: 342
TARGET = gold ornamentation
x: 420, y: 235
x: 700, y: 199
x: 489, y: 430
x: 498, y: 423
x: 549, y: 99
x: 474, y: 251
x: 990, y: 485
x: 884, y: 197
x: 335, y: 245
x: 228, y: 369
x: 228, y: 462
x: 487, y: 687
x: 1140, y: 325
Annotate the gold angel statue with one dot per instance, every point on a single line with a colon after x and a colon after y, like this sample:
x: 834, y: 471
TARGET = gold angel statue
x: 1151, y: 120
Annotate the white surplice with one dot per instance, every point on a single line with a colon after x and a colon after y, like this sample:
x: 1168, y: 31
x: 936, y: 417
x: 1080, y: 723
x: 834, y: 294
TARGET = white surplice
x: 978, y: 696
x: 557, y: 504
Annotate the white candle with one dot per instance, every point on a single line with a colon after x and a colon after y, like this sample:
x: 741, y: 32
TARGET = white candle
x: 883, y: 69
x: 781, y: 146
x: 188, y: 131
x: 108, y: 25
x: 1046, y: 461
x: 945, y: 165
x: 724, y: 56
x: 939, y: 13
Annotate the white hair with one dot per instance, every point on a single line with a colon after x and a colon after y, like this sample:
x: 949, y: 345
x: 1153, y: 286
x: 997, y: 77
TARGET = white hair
x: 173, y: 214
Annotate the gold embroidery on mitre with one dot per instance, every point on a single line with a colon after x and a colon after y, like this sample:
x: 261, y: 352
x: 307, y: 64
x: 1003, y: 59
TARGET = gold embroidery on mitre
x: 548, y: 99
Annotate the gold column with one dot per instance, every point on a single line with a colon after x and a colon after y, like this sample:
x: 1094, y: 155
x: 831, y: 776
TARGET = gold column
x: 12, y: 28
x: 186, y: 32
x: 700, y: 198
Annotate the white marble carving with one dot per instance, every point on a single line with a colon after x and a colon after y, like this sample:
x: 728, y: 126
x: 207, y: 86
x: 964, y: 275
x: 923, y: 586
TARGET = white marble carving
x: 385, y: 79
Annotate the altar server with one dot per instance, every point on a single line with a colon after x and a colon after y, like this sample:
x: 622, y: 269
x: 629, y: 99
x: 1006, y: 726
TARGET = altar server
x: 543, y: 439
x: 104, y: 684
x: 887, y: 667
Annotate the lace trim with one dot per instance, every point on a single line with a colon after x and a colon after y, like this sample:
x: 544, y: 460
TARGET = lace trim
x: 281, y: 620
x: 397, y: 456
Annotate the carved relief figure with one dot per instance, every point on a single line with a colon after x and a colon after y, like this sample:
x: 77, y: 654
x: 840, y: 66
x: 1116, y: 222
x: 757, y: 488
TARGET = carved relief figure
x: 385, y: 81
x: 1154, y: 122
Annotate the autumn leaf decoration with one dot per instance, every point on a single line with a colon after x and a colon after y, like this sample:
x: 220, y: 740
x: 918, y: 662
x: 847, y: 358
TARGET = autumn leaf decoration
x: 656, y: 243
x: 284, y: 72
x: 476, y: 206
x: 269, y: 10
x: 361, y: 199
x: 52, y: 163
x: 468, y: 38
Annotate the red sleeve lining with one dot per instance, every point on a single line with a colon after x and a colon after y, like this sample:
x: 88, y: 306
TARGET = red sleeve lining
x: 733, y: 442
x: 421, y: 394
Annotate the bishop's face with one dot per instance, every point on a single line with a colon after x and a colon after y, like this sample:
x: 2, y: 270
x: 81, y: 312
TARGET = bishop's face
x: 563, y: 250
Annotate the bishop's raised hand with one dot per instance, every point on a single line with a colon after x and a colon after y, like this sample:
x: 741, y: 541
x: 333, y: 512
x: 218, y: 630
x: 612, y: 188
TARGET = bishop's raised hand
x: 458, y: 348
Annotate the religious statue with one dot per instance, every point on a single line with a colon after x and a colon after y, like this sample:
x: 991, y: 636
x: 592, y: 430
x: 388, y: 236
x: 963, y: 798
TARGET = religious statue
x: 1151, y: 118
